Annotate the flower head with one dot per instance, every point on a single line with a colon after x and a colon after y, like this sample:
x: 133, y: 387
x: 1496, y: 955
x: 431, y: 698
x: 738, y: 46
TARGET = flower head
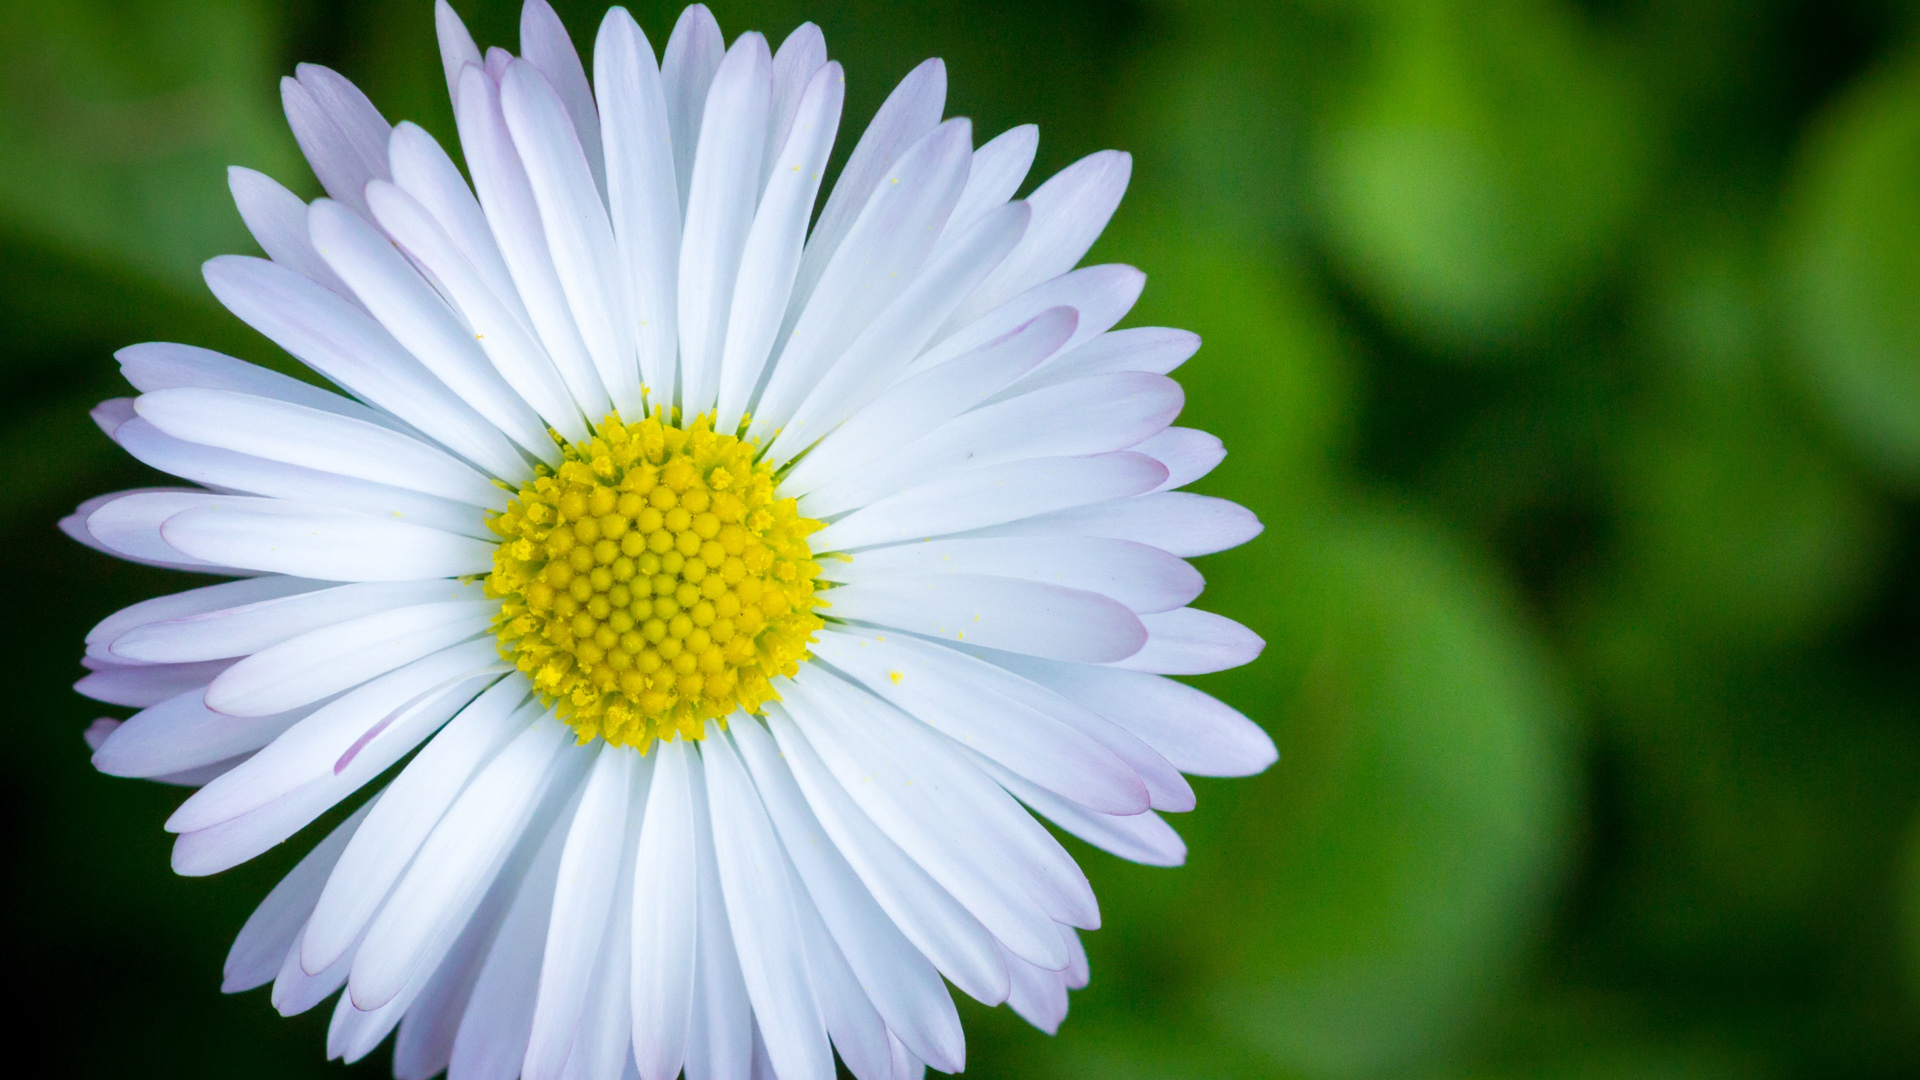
x: 733, y: 590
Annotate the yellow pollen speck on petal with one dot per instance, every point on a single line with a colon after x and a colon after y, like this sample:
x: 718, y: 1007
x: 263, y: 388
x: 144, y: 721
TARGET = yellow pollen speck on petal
x: 896, y: 676
x: 653, y: 581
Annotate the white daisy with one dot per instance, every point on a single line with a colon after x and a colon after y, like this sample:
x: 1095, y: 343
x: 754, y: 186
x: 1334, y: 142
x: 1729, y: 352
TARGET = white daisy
x: 731, y: 585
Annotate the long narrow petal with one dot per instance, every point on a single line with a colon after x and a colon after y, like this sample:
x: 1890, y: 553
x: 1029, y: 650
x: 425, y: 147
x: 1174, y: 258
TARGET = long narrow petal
x: 500, y: 179
x: 1188, y: 454
x: 342, y: 342
x: 773, y: 247
x: 1188, y: 641
x: 243, y: 473
x: 1088, y: 416
x: 459, y: 860
x: 286, y: 538
x: 720, y: 1035
x: 164, y: 365
x: 545, y: 44
x: 997, y: 494
x: 298, y: 435
x: 457, y: 49
x: 998, y: 612
x: 414, y: 803
x: 643, y: 195
x: 1143, y: 838
x: 342, y: 135
x: 888, y: 345
x: 1101, y: 294
x: 1143, y: 578
x: 507, y: 340
x: 1179, y: 522
x: 720, y: 205
x: 333, y: 737
x: 959, y: 696
x: 277, y: 218
x: 999, y: 167
x: 665, y: 916
x: 423, y: 169
x: 578, y: 234
x: 181, y: 733
x: 420, y: 320
x: 275, y: 926
x: 129, y: 524
x: 758, y: 888
x: 919, y: 404
x: 183, y: 605
x: 903, y: 983
x: 1140, y: 348
x: 1196, y: 732
x: 911, y: 111
x: 1070, y: 211
x: 693, y: 54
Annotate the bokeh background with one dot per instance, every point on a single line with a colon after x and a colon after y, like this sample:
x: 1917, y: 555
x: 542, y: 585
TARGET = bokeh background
x: 1570, y: 352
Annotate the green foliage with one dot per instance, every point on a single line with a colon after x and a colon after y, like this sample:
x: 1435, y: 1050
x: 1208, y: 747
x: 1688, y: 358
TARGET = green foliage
x: 1569, y: 353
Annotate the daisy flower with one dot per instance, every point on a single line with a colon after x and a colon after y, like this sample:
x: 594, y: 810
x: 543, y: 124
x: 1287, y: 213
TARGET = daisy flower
x: 680, y: 613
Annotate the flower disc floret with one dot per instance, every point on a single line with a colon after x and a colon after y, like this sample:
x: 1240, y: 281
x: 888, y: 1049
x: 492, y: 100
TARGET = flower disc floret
x: 653, y: 581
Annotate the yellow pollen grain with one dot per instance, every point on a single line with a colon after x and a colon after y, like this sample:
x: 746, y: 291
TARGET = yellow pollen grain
x: 653, y: 581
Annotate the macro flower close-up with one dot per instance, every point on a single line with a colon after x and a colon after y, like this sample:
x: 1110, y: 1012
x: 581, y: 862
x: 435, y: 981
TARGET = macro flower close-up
x: 696, y: 584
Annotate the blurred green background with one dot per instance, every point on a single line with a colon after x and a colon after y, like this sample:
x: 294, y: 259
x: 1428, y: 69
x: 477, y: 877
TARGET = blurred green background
x: 1570, y: 352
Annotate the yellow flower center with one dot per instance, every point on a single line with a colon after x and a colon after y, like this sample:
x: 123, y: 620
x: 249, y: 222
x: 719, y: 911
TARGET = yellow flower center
x: 653, y: 581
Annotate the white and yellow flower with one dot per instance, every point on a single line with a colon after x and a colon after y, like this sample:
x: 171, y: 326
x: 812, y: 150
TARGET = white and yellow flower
x: 708, y: 599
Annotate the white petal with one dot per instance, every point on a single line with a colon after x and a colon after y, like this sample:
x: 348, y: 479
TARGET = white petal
x: 457, y: 49
x: 422, y: 169
x: 1143, y: 578
x: 879, y: 258
x: 1188, y: 454
x: 181, y: 733
x: 757, y: 885
x: 998, y: 168
x: 1140, y: 348
x: 327, y: 545
x: 297, y: 435
x: 1189, y: 641
x: 492, y: 1039
x: 338, y: 129
x: 128, y: 524
x: 590, y: 868
x: 1087, y: 416
x: 181, y: 605
x: 506, y: 193
x: 412, y: 805
x: 1142, y: 838
x: 1197, y: 733
x: 1069, y: 212
x: 142, y: 686
x: 643, y: 195
x: 334, y: 737
x: 997, y: 612
x: 1179, y: 522
x: 911, y: 111
x: 1039, y: 996
x: 772, y: 254
x: 508, y: 343
x: 857, y: 1030
x: 936, y: 923
x: 234, y: 841
x: 925, y: 401
x: 887, y: 346
x: 799, y: 58
x: 1101, y: 294
x: 162, y: 365
x: 992, y: 496
x: 274, y: 927
x: 459, y: 860
x: 545, y: 44
x: 295, y: 991
x: 1077, y: 973
x: 342, y: 342
x: 916, y: 791
x: 602, y: 1045
x: 720, y: 205
x: 693, y: 55
x: 720, y: 1035
x: 665, y: 914
x: 578, y: 234
x: 420, y: 320
x: 277, y: 218
x: 979, y: 707
x: 903, y: 984
x: 227, y: 470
